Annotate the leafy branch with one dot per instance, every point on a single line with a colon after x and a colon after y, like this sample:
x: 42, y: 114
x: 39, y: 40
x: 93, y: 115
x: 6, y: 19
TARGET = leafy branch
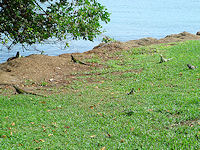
x: 30, y: 22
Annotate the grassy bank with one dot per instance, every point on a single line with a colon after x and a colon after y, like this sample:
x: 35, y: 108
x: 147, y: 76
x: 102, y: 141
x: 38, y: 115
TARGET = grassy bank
x: 96, y: 113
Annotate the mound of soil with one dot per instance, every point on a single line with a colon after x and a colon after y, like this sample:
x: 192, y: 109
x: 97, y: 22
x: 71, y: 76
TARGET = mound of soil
x: 58, y: 70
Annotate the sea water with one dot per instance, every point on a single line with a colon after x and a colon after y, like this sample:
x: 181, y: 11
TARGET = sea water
x: 130, y: 20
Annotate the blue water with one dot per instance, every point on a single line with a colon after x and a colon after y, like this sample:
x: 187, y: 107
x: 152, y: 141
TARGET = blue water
x: 130, y: 20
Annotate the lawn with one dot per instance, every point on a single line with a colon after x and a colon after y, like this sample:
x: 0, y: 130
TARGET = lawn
x: 163, y: 112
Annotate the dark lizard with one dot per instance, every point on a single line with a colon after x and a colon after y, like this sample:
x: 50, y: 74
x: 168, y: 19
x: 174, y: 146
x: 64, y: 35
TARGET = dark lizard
x: 77, y: 61
x: 20, y: 91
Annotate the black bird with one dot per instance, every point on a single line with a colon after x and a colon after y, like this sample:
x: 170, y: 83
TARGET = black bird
x: 17, y: 56
x: 131, y: 92
x: 191, y: 66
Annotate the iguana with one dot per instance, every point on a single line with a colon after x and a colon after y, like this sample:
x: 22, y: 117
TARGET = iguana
x: 77, y: 61
x: 17, y: 56
x: 162, y: 59
x: 191, y: 66
x: 20, y: 91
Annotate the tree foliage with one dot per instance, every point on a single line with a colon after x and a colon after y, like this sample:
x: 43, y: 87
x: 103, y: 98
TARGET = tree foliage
x: 34, y: 21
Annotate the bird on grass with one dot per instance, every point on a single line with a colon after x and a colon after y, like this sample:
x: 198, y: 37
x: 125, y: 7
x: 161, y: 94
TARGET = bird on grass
x: 77, y: 61
x: 162, y: 59
x: 131, y: 92
x: 191, y: 66
x: 21, y: 91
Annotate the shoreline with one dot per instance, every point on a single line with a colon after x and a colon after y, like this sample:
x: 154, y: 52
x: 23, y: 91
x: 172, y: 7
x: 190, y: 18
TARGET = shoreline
x: 37, y: 68
x: 140, y: 42
x: 183, y: 36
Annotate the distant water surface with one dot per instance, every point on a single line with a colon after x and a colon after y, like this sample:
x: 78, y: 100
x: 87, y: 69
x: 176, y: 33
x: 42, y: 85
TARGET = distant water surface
x: 130, y: 20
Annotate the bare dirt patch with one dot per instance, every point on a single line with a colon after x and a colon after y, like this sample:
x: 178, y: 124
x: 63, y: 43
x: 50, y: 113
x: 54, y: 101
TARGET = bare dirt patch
x: 33, y: 70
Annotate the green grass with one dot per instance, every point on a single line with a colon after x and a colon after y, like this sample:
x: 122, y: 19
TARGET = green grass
x: 163, y: 113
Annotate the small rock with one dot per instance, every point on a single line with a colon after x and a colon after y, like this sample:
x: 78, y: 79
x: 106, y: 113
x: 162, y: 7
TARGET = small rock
x: 122, y: 141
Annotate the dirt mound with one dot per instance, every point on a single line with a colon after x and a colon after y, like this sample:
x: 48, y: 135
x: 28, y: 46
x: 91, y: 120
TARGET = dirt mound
x: 40, y: 68
x: 169, y: 38
x: 56, y: 69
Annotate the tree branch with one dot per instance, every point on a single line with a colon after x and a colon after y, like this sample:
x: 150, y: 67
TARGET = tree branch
x: 41, y: 8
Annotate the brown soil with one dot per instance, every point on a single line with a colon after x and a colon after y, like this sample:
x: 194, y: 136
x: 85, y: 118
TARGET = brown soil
x: 29, y: 72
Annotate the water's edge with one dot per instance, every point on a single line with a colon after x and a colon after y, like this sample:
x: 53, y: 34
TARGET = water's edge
x: 143, y: 41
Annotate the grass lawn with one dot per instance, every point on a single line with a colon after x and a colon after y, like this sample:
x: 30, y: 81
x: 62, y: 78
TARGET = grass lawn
x: 96, y: 113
